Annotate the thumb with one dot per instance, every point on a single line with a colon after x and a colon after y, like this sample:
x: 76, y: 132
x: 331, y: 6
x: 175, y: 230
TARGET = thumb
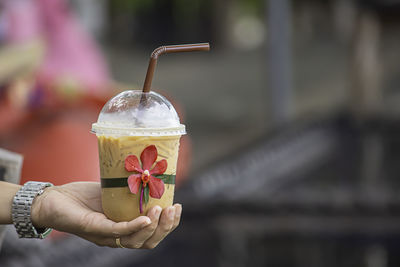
x: 100, y: 225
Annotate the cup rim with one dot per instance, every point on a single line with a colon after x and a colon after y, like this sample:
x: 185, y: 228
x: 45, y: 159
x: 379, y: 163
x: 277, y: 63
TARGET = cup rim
x: 99, y: 129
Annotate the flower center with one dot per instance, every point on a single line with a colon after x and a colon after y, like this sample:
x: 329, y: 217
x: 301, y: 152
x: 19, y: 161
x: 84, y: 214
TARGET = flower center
x: 145, y: 177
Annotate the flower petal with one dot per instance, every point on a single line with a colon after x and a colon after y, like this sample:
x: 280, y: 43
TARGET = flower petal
x: 148, y: 157
x: 134, y: 181
x: 160, y: 168
x: 156, y: 187
x: 132, y: 164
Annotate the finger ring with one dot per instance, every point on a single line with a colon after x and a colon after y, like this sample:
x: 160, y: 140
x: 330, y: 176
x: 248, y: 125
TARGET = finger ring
x: 118, y: 242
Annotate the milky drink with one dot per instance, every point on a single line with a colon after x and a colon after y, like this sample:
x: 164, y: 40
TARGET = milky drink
x: 138, y: 134
x: 138, y: 142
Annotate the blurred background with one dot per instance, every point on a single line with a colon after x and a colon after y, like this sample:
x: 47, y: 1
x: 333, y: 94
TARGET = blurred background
x: 292, y: 156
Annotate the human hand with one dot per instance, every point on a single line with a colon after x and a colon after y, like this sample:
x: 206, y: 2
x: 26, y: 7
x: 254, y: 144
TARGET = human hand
x: 76, y: 208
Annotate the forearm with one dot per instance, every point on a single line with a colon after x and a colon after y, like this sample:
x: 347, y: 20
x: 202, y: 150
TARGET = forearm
x: 7, y: 193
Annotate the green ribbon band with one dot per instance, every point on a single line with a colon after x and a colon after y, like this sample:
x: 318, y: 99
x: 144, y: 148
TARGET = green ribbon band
x: 123, y: 181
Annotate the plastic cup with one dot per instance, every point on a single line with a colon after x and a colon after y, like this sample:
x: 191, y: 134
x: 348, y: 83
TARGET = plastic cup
x: 132, y: 132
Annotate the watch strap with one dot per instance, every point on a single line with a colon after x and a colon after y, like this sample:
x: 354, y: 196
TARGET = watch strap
x: 21, y: 210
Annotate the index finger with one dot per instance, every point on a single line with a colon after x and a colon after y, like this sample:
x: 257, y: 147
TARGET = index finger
x: 99, y: 225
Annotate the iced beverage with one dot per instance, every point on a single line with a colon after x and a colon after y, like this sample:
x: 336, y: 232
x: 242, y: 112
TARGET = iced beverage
x: 138, y: 135
x: 138, y: 139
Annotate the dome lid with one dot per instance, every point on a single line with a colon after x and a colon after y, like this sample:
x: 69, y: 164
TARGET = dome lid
x: 135, y: 113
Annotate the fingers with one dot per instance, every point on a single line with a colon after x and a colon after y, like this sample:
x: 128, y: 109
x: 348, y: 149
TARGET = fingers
x: 178, y: 214
x: 162, y: 223
x: 100, y: 225
x: 165, y: 226
x: 137, y: 240
x: 133, y: 239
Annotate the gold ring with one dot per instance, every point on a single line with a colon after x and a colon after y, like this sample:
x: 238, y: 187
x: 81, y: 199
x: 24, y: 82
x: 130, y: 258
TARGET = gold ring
x: 118, y: 242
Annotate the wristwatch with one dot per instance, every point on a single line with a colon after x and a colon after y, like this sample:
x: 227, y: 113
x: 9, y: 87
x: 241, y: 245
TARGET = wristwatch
x: 21, y: 210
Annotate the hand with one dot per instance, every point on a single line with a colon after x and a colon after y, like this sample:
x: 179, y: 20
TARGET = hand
x: 76, y: 208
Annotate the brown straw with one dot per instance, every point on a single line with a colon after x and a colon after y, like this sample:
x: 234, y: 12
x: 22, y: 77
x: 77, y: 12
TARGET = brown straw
x: 165, y: 50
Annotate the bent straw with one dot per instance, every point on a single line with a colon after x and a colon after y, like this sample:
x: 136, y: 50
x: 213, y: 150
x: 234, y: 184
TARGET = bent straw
x: 166, y: 50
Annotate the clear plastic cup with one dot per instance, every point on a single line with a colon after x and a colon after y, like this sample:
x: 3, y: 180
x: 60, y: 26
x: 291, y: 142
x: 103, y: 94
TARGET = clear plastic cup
x: 138, y: 139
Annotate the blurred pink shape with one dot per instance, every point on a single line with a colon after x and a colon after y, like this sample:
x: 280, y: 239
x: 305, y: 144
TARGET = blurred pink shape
x: 22, y: 21
x: 71, y: 54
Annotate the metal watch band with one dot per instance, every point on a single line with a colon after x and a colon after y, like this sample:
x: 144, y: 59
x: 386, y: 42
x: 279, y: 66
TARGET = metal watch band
x: 21, y: 210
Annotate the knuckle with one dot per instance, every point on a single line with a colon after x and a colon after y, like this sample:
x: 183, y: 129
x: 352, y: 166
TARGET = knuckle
x: 151, y: 228
x: 86, y: 224
x: 166, y: 227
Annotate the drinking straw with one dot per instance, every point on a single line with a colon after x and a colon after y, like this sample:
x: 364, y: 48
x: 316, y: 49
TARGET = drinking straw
x: 166, y: 50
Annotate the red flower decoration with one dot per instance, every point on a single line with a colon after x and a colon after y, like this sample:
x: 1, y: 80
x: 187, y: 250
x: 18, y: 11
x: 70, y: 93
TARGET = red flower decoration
x: 144, y: 174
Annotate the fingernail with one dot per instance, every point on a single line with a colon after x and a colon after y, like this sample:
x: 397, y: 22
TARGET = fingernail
x: 146, y: 222
x: 157, y: 211
x: 171, y: 212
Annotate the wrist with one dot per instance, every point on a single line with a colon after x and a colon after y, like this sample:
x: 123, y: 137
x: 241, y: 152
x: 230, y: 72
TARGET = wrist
x: 23, y: 212
x: 41, y: 209
x: 7, y: 192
